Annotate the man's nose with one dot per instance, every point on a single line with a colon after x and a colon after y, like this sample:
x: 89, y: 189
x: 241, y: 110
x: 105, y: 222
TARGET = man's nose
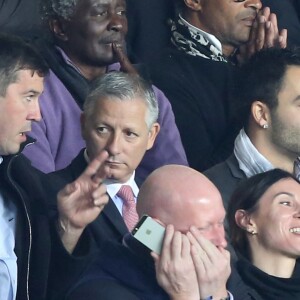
x: 253, y: 3
x: 219, y: 238
x: 113, y: 145
x: 116, y: 23
x: 34, y: 113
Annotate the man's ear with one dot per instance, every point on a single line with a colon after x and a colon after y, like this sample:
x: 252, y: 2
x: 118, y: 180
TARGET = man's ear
x: 193, y: 4
x: 153, y: 132
x: 57, y: 27
x: 244, y: 221
x: 260, y: 113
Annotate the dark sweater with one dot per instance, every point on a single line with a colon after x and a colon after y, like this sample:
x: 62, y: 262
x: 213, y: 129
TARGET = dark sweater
x: 269, y: 287
x: 199, y: 90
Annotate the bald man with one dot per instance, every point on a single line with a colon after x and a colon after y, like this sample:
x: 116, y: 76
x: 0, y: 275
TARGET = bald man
x: 193, y: 264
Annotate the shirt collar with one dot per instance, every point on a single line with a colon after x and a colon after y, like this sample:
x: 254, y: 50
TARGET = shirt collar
x: 113, y: 187
x: 1, y: 160
x: 66, y: 58
x: 207, y: 35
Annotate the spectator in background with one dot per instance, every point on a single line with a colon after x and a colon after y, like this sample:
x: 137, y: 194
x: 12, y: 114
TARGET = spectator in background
x: 88, y: 37
x: 267, y: 104
x: 196, y: 73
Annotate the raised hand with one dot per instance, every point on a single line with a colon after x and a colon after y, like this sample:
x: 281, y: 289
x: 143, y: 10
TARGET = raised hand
x: 80, y: 202
x: 212, y: 265
x: 264, y: 34
x: 175, y: 270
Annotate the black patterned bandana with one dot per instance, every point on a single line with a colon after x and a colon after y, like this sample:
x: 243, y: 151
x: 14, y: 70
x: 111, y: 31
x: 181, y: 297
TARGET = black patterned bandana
x: 193, y: 42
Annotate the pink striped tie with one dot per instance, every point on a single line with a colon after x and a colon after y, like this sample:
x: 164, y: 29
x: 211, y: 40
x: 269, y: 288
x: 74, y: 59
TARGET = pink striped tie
x: 130, y: 215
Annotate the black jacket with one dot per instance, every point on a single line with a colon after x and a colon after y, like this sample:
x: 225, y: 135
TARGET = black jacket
x: 200, y: 92
x: 42, y: 259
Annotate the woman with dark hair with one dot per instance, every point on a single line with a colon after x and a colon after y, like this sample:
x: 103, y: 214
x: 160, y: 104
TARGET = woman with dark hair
x: 264, y: 221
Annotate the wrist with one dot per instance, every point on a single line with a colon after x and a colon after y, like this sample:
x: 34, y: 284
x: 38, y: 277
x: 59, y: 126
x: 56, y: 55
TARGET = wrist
x: 227, y: 297
x: 65, y: 227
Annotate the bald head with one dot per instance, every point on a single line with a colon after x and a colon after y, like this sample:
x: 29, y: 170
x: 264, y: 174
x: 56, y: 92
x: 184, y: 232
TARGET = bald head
x: 180, y: 196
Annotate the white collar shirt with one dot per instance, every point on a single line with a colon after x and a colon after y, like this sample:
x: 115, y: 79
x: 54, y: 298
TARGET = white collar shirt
x: 8, y: 259
x: 112, y: 188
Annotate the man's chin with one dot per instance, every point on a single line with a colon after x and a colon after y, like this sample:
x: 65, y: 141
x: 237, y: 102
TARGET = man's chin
x: 118, y: 175
x: 10, y: 151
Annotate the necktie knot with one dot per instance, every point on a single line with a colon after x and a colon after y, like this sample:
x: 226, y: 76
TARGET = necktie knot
x: 130, y: 215
x: 126, y: 194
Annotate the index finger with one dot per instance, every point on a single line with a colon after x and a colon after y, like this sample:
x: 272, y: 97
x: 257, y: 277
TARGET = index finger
x: 126, y: 65
x: 96, y: 168
x: 204, y: 243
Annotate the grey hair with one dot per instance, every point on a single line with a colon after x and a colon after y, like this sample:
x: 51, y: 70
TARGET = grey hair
x: 123, y: 86
x: 57, y: 8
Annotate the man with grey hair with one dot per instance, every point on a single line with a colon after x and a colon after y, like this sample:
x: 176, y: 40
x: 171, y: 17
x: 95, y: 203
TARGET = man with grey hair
x: 120, y: 116
x: 87, y: 41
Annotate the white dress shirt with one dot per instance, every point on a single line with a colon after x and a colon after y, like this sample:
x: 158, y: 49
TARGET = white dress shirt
x: 113, y: 188
x: 8, y: 259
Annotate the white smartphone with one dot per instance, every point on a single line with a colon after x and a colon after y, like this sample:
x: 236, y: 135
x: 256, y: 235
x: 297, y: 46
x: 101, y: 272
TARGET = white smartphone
x: 150, y: 233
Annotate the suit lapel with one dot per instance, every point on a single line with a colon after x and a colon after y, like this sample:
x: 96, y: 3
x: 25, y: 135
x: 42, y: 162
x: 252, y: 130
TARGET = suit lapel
x: 111, y: 212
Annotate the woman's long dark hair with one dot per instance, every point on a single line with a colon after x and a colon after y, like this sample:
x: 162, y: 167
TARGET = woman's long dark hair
x: 246, y: 197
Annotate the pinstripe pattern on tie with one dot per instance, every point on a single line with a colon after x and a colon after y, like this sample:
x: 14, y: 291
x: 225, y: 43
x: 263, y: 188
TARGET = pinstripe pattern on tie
x: 130, y: 215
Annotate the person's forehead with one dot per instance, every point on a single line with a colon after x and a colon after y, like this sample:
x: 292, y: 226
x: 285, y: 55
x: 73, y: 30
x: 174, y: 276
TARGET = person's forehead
x: 286, y: 186
x: 95, y: 3
x: 108, y: 106
x: 206, y: 208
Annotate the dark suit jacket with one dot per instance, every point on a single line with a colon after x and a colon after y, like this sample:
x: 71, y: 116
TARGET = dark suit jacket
x: 120, y: 270
x: 130, y: 270
x: 226, y: 177
x: 109, y: 225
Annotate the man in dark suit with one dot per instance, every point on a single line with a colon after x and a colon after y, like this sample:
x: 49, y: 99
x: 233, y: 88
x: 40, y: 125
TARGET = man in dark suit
x: 268, y: 105
x: 193, y: 263
x: 119, y: 116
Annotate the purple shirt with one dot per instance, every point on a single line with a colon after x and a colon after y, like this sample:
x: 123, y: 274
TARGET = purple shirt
x: 59, y: 138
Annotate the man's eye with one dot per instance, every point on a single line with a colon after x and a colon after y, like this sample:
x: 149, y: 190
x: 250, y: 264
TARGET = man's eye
x: 102, y: 129
x: 131, y: 134
x: 205, y: 228
x: 122, y: 12
x: 100, y: 13
x: 29, y: 98
x: 285, y: 203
